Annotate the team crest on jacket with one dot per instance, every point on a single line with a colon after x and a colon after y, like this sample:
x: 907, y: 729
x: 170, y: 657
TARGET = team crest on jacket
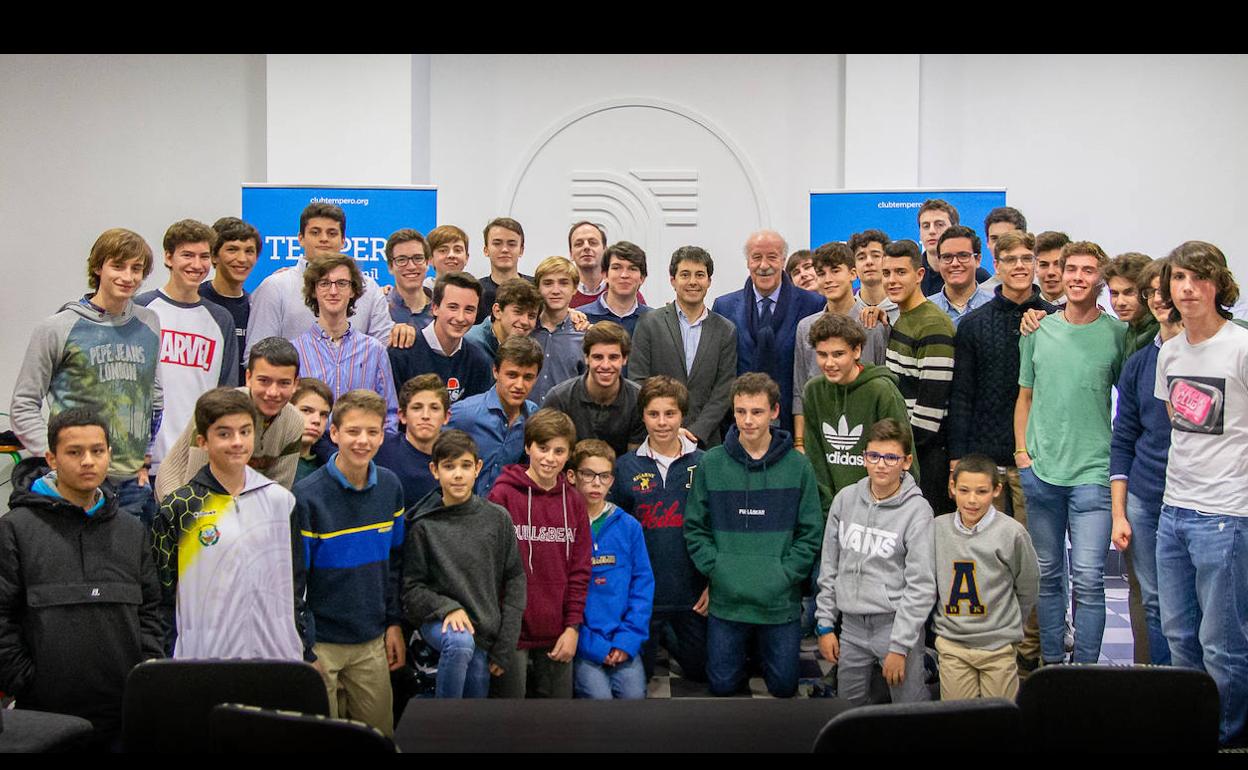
x: 209, y: 535
x: 642, y: 482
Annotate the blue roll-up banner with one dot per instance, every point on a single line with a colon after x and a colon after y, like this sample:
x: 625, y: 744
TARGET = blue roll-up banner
x: 373, y: 213
x: 835, y: 215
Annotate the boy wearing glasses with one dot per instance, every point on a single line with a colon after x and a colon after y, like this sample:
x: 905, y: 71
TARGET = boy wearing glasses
x: 621, y: 591
x: 878, y: 571
x: 331, y: 350
x: 407, y: 257
x: 958, y: 256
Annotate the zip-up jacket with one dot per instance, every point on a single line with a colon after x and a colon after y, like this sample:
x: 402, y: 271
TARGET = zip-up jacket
x: 621, y: 590
x: 552, y: 530
x: 79, y: 604
x: 753, y: 527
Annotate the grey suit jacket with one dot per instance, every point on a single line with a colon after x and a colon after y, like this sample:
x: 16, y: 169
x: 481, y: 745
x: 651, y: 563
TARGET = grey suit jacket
x: 659, y: 349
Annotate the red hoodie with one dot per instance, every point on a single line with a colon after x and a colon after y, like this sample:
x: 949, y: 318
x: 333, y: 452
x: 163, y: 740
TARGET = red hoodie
x: 552, y: 530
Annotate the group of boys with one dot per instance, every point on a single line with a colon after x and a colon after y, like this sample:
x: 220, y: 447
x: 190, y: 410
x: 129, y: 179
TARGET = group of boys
x: 828, y: 427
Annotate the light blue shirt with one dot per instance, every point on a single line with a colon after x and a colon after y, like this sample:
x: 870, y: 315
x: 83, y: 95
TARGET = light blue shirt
x: 690, y: 334
x: 564, y: 358
x: 980, y: 297
x: 758, y: 298
x: 482, y: 417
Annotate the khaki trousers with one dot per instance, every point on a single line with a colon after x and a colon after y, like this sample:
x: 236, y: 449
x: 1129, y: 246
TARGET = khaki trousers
x: 1013, y: 489
x: 966, y: 672
x: 357, y: 679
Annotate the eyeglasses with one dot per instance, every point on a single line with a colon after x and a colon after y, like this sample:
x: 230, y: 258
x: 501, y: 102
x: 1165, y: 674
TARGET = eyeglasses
x: 1026, y: 260
x: 588, y: 477
x: 961, y: 256
x: 405, y: 261
x: 1148, y: 293
x: 875, y: 458
x: 341, y: 284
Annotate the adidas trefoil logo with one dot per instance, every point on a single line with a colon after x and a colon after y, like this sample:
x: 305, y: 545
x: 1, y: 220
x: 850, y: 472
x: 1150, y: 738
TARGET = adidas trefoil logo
x: 842, y: 437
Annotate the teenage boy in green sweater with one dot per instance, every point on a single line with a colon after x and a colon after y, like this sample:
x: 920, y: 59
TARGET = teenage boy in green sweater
x: 753, y: 525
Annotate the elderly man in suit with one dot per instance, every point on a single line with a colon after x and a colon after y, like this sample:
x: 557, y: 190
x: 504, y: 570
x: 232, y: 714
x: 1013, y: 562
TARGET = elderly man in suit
x: 690, y: 344
x: 766, y: 312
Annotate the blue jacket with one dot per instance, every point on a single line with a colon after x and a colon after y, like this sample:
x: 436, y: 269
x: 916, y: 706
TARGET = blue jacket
x: 1141, y: 442
x: 498, y: 444
x: 770, y: 350
x: 621, y: 590
x: 660, y: 508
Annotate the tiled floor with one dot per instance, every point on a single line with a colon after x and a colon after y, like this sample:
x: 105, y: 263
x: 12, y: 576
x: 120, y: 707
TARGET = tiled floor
x: 1116, y: 649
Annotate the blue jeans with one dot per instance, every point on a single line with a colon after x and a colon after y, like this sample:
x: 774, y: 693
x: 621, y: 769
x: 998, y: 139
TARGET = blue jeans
x: 779, y: 646
x: 1143, y: 552
x: 626, y: 681
x: 137, y: 501
x: 1083, y: 511
x: 463, y: 669
x: 1202, y: 579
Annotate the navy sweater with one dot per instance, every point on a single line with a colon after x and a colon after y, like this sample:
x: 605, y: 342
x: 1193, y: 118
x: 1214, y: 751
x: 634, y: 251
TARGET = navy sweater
x: 660, y: 508
x: 353, y: 551
x: 408, y: 463
x: 1141, y: 441
x: 467, y: 373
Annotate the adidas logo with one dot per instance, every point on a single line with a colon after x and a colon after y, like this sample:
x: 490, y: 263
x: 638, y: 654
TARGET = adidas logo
x: 844, y: 458
x: 842, y: 437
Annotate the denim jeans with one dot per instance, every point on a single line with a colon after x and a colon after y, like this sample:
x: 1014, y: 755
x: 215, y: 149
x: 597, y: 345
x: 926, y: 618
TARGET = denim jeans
x: 137, y: 501
x: 1202, y: 575
x: 684, y: 635
x: 1082, y: 510
x: 778, y: 645
x: 1143, y: 519
x: 627, y: 681
x: 463, y: 669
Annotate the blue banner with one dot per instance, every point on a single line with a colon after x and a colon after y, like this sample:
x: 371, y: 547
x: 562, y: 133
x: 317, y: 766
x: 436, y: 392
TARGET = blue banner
x: 836, y: 215
x: 373, y: 213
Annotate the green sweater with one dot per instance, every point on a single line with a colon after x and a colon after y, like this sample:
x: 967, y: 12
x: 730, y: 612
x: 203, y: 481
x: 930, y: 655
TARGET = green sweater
x: 754, y: 528
x: 838, y: 418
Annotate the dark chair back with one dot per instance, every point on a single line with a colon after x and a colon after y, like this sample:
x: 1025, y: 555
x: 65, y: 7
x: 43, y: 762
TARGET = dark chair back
x: 234, y: 728
x: 1111, y: 708
x: 167, y: 702
x: 987, y: 725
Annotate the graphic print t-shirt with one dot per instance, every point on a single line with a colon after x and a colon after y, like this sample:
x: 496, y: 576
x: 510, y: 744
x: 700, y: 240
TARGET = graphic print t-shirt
x: 1207, y: 387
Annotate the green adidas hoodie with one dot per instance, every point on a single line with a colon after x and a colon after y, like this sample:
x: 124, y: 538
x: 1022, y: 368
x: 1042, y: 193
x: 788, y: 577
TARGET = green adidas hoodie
x: 838, y: 418
x: 753, y: 527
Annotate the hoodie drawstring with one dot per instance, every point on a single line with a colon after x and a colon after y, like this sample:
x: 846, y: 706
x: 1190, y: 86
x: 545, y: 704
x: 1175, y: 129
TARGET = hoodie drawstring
x: 530, y: 525
x: 567, y: 540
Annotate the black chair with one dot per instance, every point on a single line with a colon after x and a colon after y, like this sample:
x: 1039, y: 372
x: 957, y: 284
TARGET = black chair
x: 234, y: 728
x: 1112, y: 708
x: 985, y: 725
x: 167, y: 702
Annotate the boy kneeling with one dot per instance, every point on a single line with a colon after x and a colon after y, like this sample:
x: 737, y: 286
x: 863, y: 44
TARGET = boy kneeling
x: 463, y: 582
x: 877, y: 571
x: 988, y: 579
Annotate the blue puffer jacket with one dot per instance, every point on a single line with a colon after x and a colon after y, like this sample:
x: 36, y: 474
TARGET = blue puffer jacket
x: 621, y: 590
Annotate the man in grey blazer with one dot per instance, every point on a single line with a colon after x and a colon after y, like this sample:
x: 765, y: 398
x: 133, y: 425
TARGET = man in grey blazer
x: 689, y: 343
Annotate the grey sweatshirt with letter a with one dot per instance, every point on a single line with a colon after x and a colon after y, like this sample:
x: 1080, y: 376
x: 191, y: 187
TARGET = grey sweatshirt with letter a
x: 878, y: 559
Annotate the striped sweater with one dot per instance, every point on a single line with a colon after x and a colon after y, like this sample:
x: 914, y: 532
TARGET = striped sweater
x: 920, y: 353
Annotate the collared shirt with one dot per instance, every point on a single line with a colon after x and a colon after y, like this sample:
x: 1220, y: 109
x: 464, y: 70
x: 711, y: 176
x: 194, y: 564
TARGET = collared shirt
x: 278, y: 309
x: 980, y: 525
x: 564, y: 358
x: 617, y: 423
x: 482, y: 335
x: 436, y: 345
x: 400, y: 313
x: 941, y: 300
x: 498, y: 443
x: 758, y: 298
x: 598, y: 311
x: 690, y: 334
x: 357, y: 361
x: 663, y: 461
x: 331, y: 468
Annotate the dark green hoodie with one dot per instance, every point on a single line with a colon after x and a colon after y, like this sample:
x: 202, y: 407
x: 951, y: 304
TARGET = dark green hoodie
x: 465, y: 557
x: 838, y: 418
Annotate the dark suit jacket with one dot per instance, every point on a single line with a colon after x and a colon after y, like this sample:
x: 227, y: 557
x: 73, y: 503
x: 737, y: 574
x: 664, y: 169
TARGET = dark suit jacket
x: 658, y: 349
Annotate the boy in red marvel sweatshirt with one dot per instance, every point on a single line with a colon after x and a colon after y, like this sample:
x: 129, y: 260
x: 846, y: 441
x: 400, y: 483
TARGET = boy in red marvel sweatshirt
x: 552, y: 530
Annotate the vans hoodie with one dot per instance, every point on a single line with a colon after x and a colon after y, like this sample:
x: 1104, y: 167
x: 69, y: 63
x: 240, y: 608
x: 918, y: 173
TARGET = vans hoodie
x: 552, y: 530
x: 878, y: 559
x: 752, y: 527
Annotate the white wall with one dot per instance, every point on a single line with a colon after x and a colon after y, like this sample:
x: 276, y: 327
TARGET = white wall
x: 1138, y: 153
x: 93, y: 142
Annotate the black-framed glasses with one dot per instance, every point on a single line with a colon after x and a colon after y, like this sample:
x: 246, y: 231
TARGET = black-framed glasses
x: 587, y: 477
x: 405, y: 261
x: 875, y: 458
x: 961, y: 256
